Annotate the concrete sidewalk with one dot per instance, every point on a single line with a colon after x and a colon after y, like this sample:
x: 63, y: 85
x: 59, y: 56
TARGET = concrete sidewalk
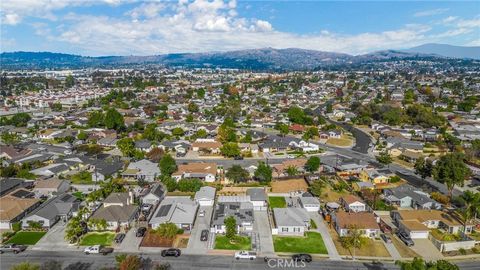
x: 327, y: 238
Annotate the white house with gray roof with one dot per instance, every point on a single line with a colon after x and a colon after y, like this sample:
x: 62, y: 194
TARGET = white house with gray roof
x: 205, y: 196
x: 142, y: 170
x: 179, y: 210
x: 291, y: 221
x: 241, y: 210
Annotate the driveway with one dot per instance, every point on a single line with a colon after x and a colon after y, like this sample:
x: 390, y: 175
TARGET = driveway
x: 392, y: 250
x: 327, y: 238
x: 426, y: 248
x: 54, y: 239
x: 130, y: 243
x: 263, y: 228
x: 195, y: 246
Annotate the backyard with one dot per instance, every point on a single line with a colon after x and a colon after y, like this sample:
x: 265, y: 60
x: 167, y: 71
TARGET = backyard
x: 240, y: 243
x: 26, y: 238
x: 311, y: 243
x: 94, y: 238
x: 286, y: 186
x: 277, y: 202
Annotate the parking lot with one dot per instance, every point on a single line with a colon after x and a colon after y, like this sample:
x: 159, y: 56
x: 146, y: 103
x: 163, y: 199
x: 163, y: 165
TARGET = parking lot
x: 195, y: 245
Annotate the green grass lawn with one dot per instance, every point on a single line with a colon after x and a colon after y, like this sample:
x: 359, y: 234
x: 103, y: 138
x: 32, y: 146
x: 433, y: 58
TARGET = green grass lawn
x: 277, y: 202
x: 104, y: 239
x: 311, y: 243
x: 26, y: 238
x: 242, y: 243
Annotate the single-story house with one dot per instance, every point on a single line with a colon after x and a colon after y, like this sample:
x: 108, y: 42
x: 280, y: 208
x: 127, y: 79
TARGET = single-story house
x: 118, y: 210
x: 201, y: 170
x: 57, y: 208
x: 364, y: 221
x: 179, y: 210
x: 51, y: 187
x: 241, y: 211
x: 352, y: 203
x: 142, y: 170
x: 13, y: 209
x: 291, y: 220
x: 309, y: 203
x: 407, y: 196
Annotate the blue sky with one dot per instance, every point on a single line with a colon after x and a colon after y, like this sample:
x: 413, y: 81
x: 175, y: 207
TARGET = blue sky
x: 130, y: 27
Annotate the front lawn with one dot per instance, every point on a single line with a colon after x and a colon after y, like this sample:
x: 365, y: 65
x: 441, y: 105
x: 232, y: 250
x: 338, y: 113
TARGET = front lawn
x: 240, y: 243
x: 277, y: 202
x: 311, y: 243
x: 104, y: 239
x: 26, y: 238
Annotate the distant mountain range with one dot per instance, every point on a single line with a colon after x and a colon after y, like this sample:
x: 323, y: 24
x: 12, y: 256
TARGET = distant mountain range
x: 254, y: 59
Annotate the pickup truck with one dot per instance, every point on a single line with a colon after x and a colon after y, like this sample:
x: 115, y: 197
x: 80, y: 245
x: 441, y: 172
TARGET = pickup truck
x: 245, y: 255
x: 97, y: 249
x: 12, y: 248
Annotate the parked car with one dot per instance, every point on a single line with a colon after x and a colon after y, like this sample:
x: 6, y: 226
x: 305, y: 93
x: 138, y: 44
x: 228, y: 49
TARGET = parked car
x: 171, y: 252
x: 302, y: 257
x: 98, y: 249
x: 12, y: 248
x: 146, y: 207
x: 204, y: 235
x: 245, y: 255
x: 238, y: 158
x: 405, y: 238
x: 201, y: 213
x: 141, y: 232
x: 386, y: 238
x: 119, y: 238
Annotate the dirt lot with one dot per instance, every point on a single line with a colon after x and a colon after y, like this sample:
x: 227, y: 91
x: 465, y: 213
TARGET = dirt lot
x: 152, y: 239
x: 286, y: 186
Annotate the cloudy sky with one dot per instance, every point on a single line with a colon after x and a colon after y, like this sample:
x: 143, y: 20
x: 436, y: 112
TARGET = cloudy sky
x: 129, y: 27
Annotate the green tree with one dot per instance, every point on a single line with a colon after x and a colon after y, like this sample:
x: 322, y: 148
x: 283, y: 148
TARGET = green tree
x: 82, y: 135
x: 263, y: 173
x: 189, y: 185
x: 69, y: 81
x: 230, y: 149
x: 451, y: 170
x: 292, y: 170
x: 201, y: 93
x: 95, y: 119
x: 170, y: 183
x: 353, y: 240
x: 20, y: 119
x: 471, y: 206
x: 192, y: 107
x: 167, y: 230
x: 296, y: 115
x: 9, y: 138
x: 283, y: 128
x: 131, y: 262
x: 310, y: 133
x: 201, y: 133
x: 177, y: 132
x: 57, y: 107
x: 167, y: 165
x: 114, y: 120
x: 384, y: 158
x: 423, y: 167
x: 313, y: 164
x: 230, y: 227
x: 126, y: 146
x: 238, y: 174
x: 317, y: 187
x: 420, y: 264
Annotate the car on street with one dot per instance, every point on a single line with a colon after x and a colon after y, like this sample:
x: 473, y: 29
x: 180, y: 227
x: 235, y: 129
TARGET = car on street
x: 238, y: 158
x: 386, y: 238
x: 302, y: 257
x: 245, y: 255
x: 201, y: 213
x: 12, y: 248
x: 405, y: 238
x: 171, y: 252
x: 119, y: 238
x: 204, y: 235
x: 98, y: 249
x: 141, y: 232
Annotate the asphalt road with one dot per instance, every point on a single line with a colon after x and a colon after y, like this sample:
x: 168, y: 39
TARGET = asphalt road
x: 74, y: 260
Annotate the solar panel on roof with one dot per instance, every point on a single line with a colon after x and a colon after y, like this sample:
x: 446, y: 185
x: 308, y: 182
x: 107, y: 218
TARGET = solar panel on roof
x: 163, y: 211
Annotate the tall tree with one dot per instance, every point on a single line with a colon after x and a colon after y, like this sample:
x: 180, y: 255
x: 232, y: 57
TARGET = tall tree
x: 451, y: 170
x: 167, y: 165
x: 312, y: 165
x: 230, y: 227
x: 471, y: 207
x: 230, y: 149
x: 237, y: 174
x: 423, y: 167
x: 126, y: 146
x: 114, y: 120
x: 263, y: 173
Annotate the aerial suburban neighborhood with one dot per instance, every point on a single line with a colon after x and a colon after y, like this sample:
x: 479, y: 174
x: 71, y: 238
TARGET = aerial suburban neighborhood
x: 250, y: 159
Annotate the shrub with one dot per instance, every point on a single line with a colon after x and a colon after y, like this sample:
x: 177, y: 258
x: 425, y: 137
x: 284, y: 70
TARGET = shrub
x: 17, y: 226
x: 439, y: 197
x: 476, y: 250
x: 462, y: 251
x: 313, y: 225
x: 395, y: 179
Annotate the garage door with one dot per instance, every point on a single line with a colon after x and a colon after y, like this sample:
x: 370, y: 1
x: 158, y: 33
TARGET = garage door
x: 419, y: 235
x: 260, y: 208
x: 5, y: 225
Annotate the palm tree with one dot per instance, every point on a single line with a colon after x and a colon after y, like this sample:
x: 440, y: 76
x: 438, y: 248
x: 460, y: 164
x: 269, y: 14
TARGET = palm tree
x: 471, y: 208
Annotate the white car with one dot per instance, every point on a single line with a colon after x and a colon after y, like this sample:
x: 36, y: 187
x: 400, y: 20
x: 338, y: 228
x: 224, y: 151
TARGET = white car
x: 97, y: 249
x: 201, y: 213
x: 245, y: 255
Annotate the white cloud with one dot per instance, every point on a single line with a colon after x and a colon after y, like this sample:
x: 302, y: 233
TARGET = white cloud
x: 148, y: 10
x: 430, y: 12
x: 11, y: 19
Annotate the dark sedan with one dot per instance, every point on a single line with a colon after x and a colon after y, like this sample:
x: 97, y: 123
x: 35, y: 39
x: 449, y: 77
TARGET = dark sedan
x: 204, y: 235
x: 141, y: 232
x: 302, y: 257
x: 171, y: 252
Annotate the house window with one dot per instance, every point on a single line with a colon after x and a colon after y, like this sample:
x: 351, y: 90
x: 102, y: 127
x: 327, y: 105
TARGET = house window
x: 284, y: 229
x: 296, y: 229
